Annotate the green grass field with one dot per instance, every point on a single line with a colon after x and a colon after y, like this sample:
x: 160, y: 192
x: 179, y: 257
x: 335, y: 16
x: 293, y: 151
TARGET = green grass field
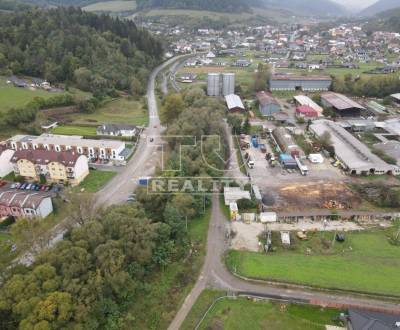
x: 112, y: 6
x: 242, y: 313
x: 122, y: 110
x: 366, y: 262
x: 14, y: 97
x: 96, y: 180
x: 75, y: 130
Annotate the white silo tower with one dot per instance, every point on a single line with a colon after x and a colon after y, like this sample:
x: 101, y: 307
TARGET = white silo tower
x: 213, y: 84
x: 228, y: 84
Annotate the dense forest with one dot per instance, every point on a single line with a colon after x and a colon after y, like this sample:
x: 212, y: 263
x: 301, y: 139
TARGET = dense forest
x: 211, y: 5
x: 96, y: 53
x: 102, y: 275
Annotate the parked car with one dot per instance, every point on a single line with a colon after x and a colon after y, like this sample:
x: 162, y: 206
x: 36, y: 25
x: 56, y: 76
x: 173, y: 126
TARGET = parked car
x: 23, y: 186
x: 28, y: 187
x: 2, y: 183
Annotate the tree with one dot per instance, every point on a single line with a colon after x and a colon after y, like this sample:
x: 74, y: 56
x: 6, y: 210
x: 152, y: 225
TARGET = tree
x: 172, y: 108
x: 235, y: 121
x: 185, y: 206
x: 262, y: 76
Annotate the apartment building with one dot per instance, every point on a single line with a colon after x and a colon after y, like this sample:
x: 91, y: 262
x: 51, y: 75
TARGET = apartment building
x: 5, y: 160
x: 66, y: 167
x: 25, y: 204
x: 92, y: 149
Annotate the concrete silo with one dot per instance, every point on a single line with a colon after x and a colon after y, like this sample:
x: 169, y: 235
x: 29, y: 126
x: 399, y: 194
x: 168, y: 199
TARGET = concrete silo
x: 228, y: 84
x: 213, y: 84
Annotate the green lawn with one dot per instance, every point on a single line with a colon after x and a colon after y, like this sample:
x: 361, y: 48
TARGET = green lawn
x: 112, y: 6
x: 96, y: 180
x: 122, y: 110
x: 168, y: 289
x: 242, y: 313
x: 14, y: 97
x: 366, y: 262
x: 75, y: 130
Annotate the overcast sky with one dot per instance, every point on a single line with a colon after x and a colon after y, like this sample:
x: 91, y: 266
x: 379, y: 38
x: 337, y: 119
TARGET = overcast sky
x: 356, y: 4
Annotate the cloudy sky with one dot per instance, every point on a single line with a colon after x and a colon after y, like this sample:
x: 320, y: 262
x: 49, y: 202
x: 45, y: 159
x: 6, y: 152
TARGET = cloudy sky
x: 356, y: 4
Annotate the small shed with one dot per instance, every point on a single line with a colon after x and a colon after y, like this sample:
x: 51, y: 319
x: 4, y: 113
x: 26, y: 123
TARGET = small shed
x: 268, y: 217
x: 233, y: 194
x: 248, y: 217
x: 316, y: 158
x: 234, y: 211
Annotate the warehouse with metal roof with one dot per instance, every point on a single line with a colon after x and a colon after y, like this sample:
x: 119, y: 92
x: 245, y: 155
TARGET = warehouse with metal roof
x: 355, y: 157
x: 234, y: 103
x: 341, y: 104
x: 300, y: 83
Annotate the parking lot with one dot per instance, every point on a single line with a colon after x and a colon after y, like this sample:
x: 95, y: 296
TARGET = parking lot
x: 266, y: 176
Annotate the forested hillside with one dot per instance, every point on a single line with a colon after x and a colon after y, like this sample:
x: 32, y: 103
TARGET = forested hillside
x: 96, y: 53
x: 65, y: 3
x: 211, y: 5
x: 386, y: 21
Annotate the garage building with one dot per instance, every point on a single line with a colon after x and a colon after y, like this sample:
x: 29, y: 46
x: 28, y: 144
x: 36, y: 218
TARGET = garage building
x: 300, y: 83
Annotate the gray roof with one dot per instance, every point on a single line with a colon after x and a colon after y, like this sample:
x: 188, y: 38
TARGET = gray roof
x: 366, y: 320
x: 352, y: 152
x: 115, y: 127
x: 340, y: 101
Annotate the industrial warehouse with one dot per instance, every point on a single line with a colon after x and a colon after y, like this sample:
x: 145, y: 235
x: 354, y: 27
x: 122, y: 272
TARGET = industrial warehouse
x: 300, y: 83
x: 341, y: 104
x: 354, y: 156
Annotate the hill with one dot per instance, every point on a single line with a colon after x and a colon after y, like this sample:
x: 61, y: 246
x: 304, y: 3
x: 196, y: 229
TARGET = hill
x: 380, y: 6
x: 210, y: 5
x: 386, y: 21
x: 95, y: 52
x: 297, y: 7
x: 306, y: 7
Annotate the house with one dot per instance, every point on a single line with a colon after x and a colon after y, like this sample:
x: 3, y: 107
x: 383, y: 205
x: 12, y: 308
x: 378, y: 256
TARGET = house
x: 368, y: 320
x: 117, y: 130
x: 6, y: 166
x: 25, y: 204
x: 210, y: 55
x: 234, y: 103
x: 268, y: 105
x: 396, y: 98
x: 301, y: 83
x: 341, y: 104
x: 18, y: 82
x: 93, y: 149
x: 242, y: 63
x: 65, y: 167
x: 306, y: 112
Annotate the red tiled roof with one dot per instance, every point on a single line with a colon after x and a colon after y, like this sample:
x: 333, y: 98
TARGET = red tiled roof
x: 307, y: 111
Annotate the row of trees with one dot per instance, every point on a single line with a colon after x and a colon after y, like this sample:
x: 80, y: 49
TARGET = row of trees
x: 375, y: 86
x: 97, y: 53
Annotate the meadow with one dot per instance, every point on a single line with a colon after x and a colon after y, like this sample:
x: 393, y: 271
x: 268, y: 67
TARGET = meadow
x: 366, y: 262
x: 111, y: 6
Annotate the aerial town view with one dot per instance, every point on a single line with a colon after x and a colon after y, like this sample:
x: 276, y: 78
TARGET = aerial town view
x: 187, y: 164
